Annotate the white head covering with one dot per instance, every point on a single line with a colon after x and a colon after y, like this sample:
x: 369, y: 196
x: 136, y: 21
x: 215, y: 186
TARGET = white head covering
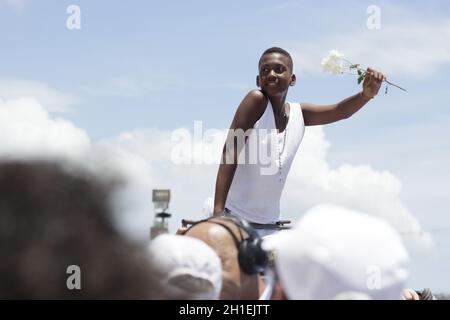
x: 332, y: 251
x: 185, y: 267
x: 208, y: 208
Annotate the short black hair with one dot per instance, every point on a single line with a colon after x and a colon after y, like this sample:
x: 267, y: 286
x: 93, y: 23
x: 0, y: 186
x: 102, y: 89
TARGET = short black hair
x: 280, y: 51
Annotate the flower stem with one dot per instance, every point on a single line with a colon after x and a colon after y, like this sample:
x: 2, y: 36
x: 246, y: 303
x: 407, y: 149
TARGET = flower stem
x: 364, y: 71
x: 385, y: 80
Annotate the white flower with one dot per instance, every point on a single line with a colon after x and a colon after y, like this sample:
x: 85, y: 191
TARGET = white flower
x: 333, y: 62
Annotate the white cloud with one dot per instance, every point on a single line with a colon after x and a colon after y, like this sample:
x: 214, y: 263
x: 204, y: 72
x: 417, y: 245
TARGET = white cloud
x: 413, y: 46
x: 27, y: 130
x: 51, y: 99
x: 144, y: 157
x: 312, y: 181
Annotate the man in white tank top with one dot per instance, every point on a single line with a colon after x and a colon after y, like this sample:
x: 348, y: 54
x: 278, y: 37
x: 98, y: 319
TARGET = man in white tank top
x: 264, y: 136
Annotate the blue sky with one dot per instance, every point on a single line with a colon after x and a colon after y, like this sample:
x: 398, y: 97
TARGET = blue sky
x: 145, y: 65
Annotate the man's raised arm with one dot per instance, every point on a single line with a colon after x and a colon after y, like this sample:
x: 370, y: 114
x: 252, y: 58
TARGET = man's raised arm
x: 323, y: 114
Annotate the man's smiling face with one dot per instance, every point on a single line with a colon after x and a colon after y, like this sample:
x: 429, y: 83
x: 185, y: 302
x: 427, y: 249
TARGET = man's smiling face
x: 275, y: 74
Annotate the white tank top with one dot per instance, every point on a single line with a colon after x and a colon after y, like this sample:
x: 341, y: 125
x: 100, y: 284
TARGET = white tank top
x: 257, y: 185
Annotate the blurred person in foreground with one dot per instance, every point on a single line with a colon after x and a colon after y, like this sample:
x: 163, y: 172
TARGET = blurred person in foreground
x: 337, y: 253
x: 51, y: 219
x: 425, y: 294
x: 225, y: 236
x: 186, y: 268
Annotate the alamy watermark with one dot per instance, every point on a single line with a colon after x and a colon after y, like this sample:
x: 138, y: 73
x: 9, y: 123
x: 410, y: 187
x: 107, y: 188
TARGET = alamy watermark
x: 374, y: 277
x: 74, y: 280
x: 374, y: 20
x: 73, y: 22
x: 253, y: 146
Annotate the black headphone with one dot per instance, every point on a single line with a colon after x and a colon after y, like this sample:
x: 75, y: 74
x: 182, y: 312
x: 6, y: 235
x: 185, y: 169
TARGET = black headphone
x: 251, y: 256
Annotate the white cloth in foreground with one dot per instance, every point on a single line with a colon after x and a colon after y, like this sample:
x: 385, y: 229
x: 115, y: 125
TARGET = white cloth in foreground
x: 185, y: 267
x: 333, y: 252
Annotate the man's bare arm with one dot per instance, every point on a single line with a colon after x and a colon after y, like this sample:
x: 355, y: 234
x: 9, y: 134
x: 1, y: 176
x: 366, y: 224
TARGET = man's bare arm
x: 324, y: 114
x: 249, y: 111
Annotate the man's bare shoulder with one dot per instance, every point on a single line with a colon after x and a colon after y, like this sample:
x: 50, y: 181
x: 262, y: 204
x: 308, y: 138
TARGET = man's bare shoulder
x: 250, y: 110
x: 257, y: 99
x: 254, y: 104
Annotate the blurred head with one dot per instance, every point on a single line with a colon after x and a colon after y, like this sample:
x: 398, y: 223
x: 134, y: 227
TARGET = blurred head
x: 51, y: 219
x: 186, y: 268
x: 334, y: 252
x: 236, y: 284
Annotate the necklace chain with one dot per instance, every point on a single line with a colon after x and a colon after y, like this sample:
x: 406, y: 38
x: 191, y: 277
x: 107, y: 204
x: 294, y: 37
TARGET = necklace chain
x: 282, y: 150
